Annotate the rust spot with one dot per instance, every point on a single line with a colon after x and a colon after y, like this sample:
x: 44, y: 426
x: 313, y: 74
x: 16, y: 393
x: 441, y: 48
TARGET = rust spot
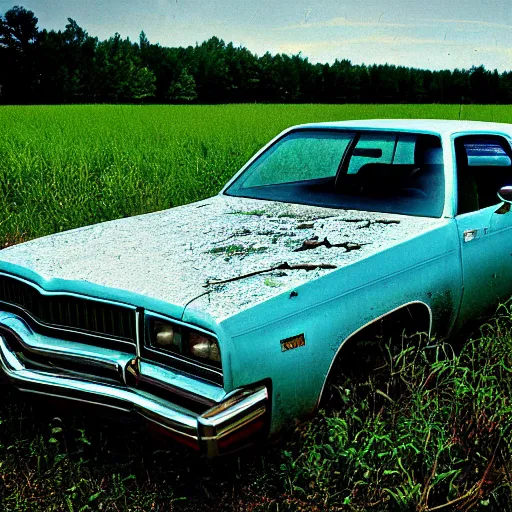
x: 368, y: 223
x: 504, y: 208
x: 293, y: 342
x: 306, y: 225
x: 314, y: 243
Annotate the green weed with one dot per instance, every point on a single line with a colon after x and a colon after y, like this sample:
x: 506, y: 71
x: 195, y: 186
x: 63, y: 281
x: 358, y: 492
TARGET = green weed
x: 430, y: 430
x: 67, y: 166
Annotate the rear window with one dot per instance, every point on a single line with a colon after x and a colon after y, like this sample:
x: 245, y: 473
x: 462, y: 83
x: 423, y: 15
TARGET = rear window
x: 484, y: 152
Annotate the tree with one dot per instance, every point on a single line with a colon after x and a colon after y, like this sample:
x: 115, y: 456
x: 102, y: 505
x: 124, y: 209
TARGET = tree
x: 210, y: 71
x: 18, y: 37
x: 143, y: 85
x: 120, y: 73
x: 18, y: 29
x: 183, y: 89
x: 144, y: 43
x: 70, y: 65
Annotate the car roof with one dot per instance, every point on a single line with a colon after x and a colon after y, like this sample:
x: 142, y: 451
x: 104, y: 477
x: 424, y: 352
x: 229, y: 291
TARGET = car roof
x: 434, y: 126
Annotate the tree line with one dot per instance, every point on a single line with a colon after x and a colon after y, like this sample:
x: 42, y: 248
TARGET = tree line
x: 70, y: 66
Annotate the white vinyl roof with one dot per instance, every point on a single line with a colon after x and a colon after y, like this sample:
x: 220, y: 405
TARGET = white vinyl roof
x: 436, y: 126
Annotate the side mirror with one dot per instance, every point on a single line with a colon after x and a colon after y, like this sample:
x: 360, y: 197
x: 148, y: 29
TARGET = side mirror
x: 505, y: 194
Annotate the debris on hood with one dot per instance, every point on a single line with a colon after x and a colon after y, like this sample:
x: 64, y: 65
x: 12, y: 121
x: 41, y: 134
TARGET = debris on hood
x: 282, y: 266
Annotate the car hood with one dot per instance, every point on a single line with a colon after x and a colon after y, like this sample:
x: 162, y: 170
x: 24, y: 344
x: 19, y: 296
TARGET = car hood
x: 176, y: 255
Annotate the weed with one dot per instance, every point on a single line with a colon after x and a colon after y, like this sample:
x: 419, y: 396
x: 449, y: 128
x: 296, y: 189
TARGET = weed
x: 430, y: 430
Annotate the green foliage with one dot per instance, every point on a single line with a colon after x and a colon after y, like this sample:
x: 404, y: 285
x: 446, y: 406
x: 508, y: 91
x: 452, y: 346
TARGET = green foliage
x: 41, y: 66
x: 18, y: 29
x: 430, y: 429
x: 63, y: 167
x: 184, y: 88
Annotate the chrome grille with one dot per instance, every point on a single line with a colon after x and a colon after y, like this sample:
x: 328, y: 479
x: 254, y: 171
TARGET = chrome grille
x: 69, y: 312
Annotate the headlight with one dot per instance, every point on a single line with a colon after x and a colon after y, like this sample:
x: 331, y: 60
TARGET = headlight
x: 203, y: 347
x: 166, y: 337
x: 184, y: 341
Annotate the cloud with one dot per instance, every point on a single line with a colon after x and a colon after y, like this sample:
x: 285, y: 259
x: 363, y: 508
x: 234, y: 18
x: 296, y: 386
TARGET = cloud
x: 342, y: 22
x: 403, y: 41
x: 416, y: 22
x: 476, y: 23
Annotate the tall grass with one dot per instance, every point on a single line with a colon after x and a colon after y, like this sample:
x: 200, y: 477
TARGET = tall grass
x: 67, y: 166
x: 430, y: 430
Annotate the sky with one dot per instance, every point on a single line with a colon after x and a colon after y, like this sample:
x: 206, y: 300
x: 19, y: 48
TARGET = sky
x: 435, y: 34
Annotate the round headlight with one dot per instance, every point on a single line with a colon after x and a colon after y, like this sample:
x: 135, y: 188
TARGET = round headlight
x: 165, y: 336
x: 204, y: 348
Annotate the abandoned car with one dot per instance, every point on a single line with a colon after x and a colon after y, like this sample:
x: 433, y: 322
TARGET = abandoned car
x: 219, y: 321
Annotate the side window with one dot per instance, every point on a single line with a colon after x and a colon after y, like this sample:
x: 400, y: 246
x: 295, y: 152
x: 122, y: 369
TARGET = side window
x: 484, y: 165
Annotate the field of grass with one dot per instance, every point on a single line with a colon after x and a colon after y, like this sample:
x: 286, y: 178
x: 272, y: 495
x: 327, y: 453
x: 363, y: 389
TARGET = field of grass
x: 431, y: 430
x: 67, y: 166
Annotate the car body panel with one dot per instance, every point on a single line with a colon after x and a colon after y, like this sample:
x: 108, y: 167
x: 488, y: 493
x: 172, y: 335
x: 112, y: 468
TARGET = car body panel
x: 328, y: 310
x: 226, y: 264
x: 163, y: 261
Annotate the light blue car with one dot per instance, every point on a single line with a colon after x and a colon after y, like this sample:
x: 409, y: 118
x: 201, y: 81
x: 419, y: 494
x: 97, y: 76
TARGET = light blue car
x: 219, y: 321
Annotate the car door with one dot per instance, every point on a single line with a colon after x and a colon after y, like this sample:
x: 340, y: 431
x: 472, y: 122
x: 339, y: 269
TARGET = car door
x: 484, y: 222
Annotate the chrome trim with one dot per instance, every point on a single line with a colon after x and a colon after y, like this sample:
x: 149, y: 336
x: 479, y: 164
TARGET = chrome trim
x: 237, y: 410
x: 138, y: 341
x: 8, y: 359
x: 97, y: 361
x: 232, y: 413
x: 57, y: 327
x: 125, y: 399
x: 115, y: 361
x: 184, y: 359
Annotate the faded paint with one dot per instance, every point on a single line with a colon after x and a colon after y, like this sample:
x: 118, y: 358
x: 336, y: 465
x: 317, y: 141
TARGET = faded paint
x: 171, y: 255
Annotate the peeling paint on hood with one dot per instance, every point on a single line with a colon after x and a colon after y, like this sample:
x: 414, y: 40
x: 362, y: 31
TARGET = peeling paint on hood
x: 172, y: 255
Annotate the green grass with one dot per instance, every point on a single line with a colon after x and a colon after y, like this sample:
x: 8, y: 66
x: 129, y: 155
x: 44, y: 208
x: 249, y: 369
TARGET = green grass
x: 66, y: 166
x: 430, y: 429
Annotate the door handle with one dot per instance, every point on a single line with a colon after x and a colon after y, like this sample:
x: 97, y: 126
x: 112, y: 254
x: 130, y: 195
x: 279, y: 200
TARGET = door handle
x: 471, y: 234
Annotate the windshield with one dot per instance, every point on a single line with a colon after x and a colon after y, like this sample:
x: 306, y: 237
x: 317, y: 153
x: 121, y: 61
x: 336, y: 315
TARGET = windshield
x: 388, y: 172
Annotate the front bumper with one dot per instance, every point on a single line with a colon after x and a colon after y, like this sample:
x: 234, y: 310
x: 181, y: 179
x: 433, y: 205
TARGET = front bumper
x: 237, y: 419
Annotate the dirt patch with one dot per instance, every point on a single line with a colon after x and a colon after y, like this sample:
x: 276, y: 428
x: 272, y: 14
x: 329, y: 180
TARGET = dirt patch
x: 13, y: 239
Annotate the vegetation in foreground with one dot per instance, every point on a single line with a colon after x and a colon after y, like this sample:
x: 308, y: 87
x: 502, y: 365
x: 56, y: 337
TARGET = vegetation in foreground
x: 430, y: 430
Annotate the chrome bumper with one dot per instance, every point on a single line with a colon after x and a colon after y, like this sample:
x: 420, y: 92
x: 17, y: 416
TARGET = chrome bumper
x: 235, y: 419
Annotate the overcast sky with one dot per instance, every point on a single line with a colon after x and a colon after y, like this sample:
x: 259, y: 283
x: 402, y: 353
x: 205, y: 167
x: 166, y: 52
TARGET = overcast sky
x: 433, y: 34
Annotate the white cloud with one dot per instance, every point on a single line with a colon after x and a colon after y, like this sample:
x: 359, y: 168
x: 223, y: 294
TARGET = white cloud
x: 406, y: 51
x: 342, y: 22
x: 295, y: 47
x: 475, y: 23
x: 416, y: 22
